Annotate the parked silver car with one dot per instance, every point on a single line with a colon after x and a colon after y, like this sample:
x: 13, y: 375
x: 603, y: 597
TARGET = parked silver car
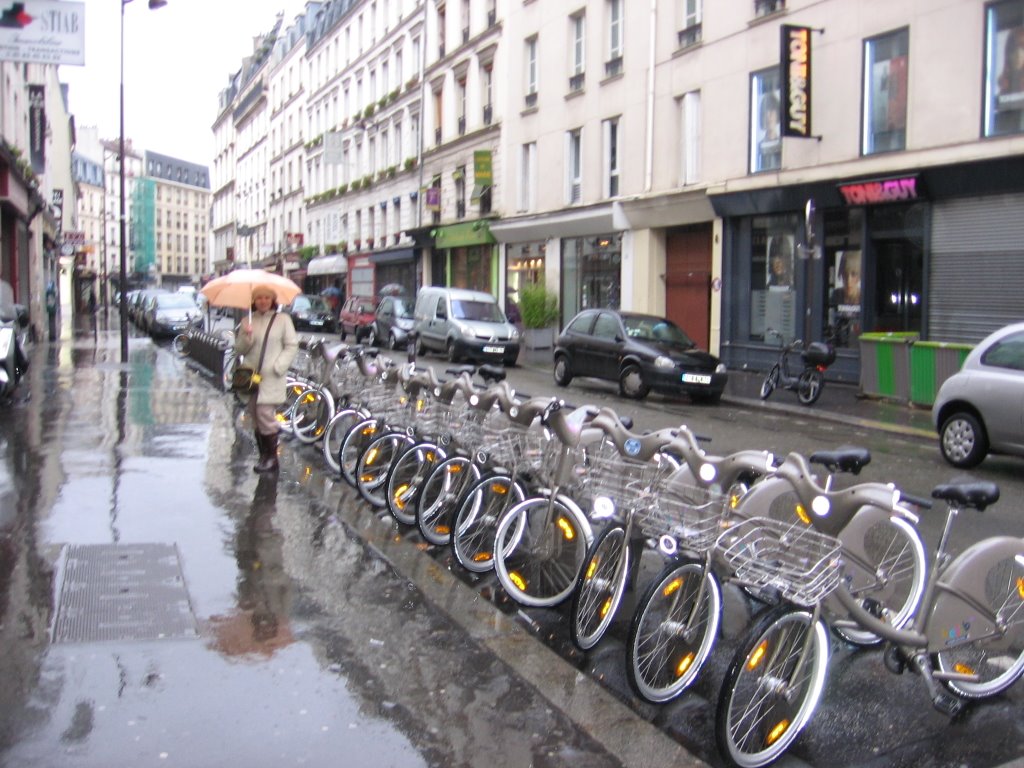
x: 980, y: 409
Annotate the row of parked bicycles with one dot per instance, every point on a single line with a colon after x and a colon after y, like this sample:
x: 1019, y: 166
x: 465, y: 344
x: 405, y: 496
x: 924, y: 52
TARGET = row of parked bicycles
x: 561, y: 502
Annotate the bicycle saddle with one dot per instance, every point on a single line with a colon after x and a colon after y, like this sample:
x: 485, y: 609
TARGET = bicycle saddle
x: 491, y: 373
x: 628, y: 443
x: 846, y: 459
x: 978, y: 494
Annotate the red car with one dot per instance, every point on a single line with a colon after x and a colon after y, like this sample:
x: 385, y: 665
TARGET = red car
x: 357, y: 317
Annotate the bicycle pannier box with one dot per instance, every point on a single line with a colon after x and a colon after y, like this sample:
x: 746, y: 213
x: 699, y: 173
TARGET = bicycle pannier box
x: 819, y: 354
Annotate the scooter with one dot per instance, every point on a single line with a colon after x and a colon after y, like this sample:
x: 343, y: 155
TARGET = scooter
x: 13, y: 322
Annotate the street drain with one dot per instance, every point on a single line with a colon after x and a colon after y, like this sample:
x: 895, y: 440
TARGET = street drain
x: 123, y: 592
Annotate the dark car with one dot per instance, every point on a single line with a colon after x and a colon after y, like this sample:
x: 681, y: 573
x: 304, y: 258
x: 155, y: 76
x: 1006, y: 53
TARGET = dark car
x: 168, y: 314
x: 977, y: 410
x: 392, y: 322
x: 311, y: 313
x: 640, y: 352
x: 356, y: 317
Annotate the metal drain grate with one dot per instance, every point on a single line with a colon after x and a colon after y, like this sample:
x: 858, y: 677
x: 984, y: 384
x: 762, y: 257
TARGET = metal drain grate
x: 123, y: 592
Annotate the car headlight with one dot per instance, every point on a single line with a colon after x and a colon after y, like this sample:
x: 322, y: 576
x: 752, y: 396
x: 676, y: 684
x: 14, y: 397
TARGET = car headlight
x: 720, y: 368
x: 515, y: 334
x: 663, y: 362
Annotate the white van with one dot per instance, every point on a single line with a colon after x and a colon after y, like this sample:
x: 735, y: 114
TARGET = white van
x: 464, y: 324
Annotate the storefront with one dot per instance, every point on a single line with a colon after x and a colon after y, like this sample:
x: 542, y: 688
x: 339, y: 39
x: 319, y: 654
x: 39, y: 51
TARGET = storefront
x: 465, y: 256
x: 398, y: 267
x: 326, y: 276
x: 933, y: 253
x: 591, y: 272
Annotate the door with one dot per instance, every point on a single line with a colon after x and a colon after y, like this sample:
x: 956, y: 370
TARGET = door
x: 898, y: 285
x: 688, y: 281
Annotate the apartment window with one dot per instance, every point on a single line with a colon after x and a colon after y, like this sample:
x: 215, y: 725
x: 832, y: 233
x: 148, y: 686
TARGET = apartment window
x: 610, y: 129
x: 492, y: 12
x: 577, y: 44
x: 765, y: 121
x: 690, y: 31
x: 398, y: 159
x: 768, y: 7
x: 885, y: 93
x: 689, y: 122
x: 487, y: 89
x: 1004, y: 68
x: 528, y: 177
x: 460, y: 95
x: 531, y: 71
x: 438, y: 106
x: 441, y: 21
x: 460, y: 192
x: 465, y: 21
x: 613, y: 65
x: 574, y: 166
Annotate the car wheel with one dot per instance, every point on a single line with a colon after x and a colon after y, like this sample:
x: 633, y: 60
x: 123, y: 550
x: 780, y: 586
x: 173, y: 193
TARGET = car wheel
x: 421, y: 349
x: 453, y: 356
x: 631, y: 383
x: 563, y: 371
x: 392, y: 341
x: 342, y: 332
x: 371, y: 337
x: 963, y: 441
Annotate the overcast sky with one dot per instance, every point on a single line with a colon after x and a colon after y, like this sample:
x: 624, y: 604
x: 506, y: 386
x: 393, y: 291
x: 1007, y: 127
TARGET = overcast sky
x: 177, y: 60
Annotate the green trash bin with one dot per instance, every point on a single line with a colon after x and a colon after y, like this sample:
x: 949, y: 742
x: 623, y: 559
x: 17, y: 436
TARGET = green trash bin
x: 885, y: 364
x: 931, y: 363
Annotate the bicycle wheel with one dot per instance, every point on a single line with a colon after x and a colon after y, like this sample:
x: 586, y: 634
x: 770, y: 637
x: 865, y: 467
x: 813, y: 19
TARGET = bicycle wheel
x: 283, y: 412
x: 407, y: 477
x: 476, y: 520
x: 352, y: 447
x: 442, y: 490
x: 996, y: 659
x: 884, y: 565
x: 540, y: 546
x: 674, y: 630
x: 771, y: 381
x: 809, y: 386
x: 600, y: 588
x: 312, y: 412
x: 334, y: 435
x: 374, y: 464
x: 772, y: 687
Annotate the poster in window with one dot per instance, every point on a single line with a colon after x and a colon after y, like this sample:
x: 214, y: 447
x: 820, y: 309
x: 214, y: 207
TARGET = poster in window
x: 769, y: 141
x: 1007, y: 70
x: 780, y: 262
x: 845, y: 301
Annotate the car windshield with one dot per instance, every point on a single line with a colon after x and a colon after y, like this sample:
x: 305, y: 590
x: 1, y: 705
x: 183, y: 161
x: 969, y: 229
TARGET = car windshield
x: 658, y: 329
x: 306, y: 303
x: 175, y: 301
x: 403, y: 309
x: 477, y: 310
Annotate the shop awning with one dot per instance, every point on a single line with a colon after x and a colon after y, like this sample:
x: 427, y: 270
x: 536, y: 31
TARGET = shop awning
x: 391, y: 257
x: 335, y: 264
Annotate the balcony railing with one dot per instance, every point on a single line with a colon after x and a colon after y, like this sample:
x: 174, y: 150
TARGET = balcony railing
x: 576, y: 82
x: 462, y: 126
x: 465, y: 35
x: 690, y: 36
x: 492, y: 17
x: 437, y: 135
x: 613, y: 67
x: 488, y: 114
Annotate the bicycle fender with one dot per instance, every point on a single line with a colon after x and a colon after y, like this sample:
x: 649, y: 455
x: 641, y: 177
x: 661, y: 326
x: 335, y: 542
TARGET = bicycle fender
x: 956, y: 615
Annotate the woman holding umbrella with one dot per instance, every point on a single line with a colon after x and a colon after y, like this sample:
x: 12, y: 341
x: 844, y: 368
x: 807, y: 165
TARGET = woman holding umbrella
x: 265, y: 325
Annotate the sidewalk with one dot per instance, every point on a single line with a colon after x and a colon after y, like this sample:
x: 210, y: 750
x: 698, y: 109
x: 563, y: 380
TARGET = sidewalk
x: 841, y: 403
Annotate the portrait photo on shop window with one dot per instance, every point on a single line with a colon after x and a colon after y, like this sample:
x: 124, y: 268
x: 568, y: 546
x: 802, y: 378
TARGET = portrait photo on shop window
x: 845, y: 299
x: 1006, y: 70
x: 780, y: 262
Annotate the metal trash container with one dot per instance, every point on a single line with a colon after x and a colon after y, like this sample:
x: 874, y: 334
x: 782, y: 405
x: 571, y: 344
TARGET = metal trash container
x: 885, y: 364
x: 931, y: 363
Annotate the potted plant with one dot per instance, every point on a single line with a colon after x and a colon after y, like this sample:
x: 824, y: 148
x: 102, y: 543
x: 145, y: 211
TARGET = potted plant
x: 538, y: 308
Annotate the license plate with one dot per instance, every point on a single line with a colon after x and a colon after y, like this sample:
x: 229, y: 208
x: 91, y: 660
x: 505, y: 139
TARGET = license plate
x: 696, y: 378
x: 494, y: 350
x: 316, y: 322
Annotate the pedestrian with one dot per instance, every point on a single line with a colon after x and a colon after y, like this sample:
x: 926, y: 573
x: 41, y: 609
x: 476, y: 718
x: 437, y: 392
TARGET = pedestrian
x: 266, y: 323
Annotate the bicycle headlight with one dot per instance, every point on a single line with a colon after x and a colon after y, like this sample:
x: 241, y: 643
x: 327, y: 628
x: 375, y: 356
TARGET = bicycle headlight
x: 6, y: 337
x: 603, y: 507
x: 663, y: 362
x: 820, y: 506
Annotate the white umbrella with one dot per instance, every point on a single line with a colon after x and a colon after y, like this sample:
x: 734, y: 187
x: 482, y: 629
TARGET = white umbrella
x: 235, y: 288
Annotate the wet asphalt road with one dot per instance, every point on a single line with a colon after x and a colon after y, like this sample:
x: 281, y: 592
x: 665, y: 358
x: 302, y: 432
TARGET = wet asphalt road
x: 326, y: 635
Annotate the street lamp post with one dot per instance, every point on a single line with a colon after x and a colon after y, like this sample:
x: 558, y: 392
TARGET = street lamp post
x: 123, y: 270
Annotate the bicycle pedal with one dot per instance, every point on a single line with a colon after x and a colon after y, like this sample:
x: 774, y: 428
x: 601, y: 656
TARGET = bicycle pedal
x: 894, y: 659
x: 947, y: 705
